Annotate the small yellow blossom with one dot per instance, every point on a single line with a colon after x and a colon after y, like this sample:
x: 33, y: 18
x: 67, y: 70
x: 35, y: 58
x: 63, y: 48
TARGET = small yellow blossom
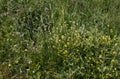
x: 77, y: 50
x: 116, y: 44
x: 100, y: 56
x: 62, y: 36
x: 108, y: 74
x: 114, y: 52
x: 68, y: 43
x: 65, y: 45
x: 54, y: 46
x: 98, y: 68
x: 113, y: 61
x: 105, y: 37
x: 65, y: 52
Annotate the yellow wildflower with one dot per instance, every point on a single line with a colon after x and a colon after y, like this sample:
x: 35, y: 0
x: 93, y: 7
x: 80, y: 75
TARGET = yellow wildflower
x: 68, y: 43
x: 113, y: 61
x: 116, y: 44
x: 105, y: 37
x: 114, y: 52
x: 62, y: 36
x: 100, y: 56
x: 65, y: 52
x: 65, y: 45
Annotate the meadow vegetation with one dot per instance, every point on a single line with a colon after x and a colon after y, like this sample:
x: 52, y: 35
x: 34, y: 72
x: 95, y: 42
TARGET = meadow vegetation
x: 59, y: 39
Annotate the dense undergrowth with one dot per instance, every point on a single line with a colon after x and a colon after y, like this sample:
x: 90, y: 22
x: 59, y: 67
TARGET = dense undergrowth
x: 59, y: 39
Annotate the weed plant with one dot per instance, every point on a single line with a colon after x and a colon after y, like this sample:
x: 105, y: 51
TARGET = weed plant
x: 59, y: 39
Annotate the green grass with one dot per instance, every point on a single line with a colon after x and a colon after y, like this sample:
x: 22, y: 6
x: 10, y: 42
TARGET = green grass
x: 59, y: 39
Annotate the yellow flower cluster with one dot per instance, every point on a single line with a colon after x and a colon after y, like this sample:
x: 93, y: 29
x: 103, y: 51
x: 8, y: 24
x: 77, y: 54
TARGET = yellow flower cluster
x: 106, y: 37
x: 65, y: 52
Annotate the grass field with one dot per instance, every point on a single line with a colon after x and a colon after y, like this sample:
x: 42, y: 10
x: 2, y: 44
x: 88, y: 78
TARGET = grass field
x: 59, y: 39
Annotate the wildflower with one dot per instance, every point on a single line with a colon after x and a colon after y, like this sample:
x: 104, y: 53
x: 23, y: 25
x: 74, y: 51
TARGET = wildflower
x: 65, y: 45
x: 59, y: 40
x: 65, y: 52
x: 108, y: 74
x: 15, y: 45
x: 28, y: 69
x: 111, y: 30
x: 100, y: 56
x: 16, y: 61
x: 26, y: 50
x: 33, y: 71
x: 103, y: 37
x: 68, y: 43
x: 116, y: 44
x: 8, y: 39
x: 62, y: 36
x: 114, y: 52
x: 113, y: 61
x: 108, y: 25
x: 98, y: 68
x: 9, y: 64
x: 54, y: 46
x: 29, y: 62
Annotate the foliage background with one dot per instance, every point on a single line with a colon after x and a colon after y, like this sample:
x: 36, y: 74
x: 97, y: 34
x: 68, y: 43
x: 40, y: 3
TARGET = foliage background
x: 59, y: 39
